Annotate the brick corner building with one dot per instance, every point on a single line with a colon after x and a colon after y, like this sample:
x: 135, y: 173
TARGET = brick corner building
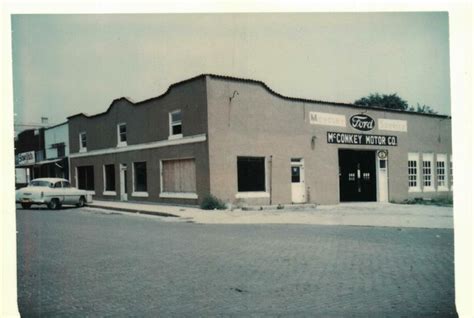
x: 239, y: 140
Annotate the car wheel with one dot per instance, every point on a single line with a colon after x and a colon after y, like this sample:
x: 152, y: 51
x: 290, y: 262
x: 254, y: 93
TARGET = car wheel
x: 81, y: 203
x: 26, y: 205
x: 54, y: 204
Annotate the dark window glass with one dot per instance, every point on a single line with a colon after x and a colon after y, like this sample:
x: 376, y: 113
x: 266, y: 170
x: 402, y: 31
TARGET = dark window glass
x: 65, y: 184
x: 61, y: 151
x: 295, y: 174
x: 176, y: 116
x: 177, y: 129
x: 85, y: 177
x: 140, y: 176
x: 250, y: 174
x: 123, y: 132
x: 383, y: 164
x: 83, y: 140
x: 109, y: 178
x: 57, y: 184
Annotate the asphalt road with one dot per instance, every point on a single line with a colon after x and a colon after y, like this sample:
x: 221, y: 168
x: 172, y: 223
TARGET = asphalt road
x: 86, y: 262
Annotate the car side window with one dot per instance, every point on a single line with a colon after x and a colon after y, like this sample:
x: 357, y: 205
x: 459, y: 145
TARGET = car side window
x: 57, y: 184
x: 66, y: 184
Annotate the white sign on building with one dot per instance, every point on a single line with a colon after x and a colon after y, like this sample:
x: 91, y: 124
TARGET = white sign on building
x: 26, y: 158
x: 327, y: 119
x: 393, y: 125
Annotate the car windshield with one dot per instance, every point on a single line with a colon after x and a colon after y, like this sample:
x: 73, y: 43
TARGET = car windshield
x: 40, y: 183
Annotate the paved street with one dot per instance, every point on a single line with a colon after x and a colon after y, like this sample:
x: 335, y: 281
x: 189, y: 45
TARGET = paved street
x: 88, y: 262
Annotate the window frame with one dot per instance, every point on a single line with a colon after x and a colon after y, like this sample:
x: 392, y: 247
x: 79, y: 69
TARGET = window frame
x: 177, y: 195
x: 81, y: 147
x: 442, y: 158
x: 121, y: 143
x: 142, y: 194
x: 175, y: 123
x: 451, y: 183
x: 428, y: 157
x: 93, y: 178
x: 253, y: 194
x: 104, y: 174
x: 414, y: 156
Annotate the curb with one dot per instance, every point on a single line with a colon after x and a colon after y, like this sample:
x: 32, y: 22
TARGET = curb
x: 133, y: 211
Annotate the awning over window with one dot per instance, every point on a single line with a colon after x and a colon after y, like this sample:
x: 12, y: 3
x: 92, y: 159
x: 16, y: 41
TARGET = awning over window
x: 39, y: 163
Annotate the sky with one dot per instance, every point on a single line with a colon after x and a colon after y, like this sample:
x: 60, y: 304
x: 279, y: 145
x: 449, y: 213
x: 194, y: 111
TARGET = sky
x: 67, y: 64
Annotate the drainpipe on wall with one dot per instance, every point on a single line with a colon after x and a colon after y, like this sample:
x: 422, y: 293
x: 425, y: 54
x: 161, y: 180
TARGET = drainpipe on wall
x: 270, y: 177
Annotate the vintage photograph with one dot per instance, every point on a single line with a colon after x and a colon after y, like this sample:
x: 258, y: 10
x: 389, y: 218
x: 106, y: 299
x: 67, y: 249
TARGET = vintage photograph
x: 233, y: 164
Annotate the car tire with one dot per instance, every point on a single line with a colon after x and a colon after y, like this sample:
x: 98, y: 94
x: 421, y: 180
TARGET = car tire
x: 26, y: 205
x: 54, y: 204
x: 81, y: 203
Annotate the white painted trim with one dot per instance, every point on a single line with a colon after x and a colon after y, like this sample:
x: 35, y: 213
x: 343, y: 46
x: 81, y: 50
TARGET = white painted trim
x: 171, y: 136
x: 82, y: 149
x: 428, y: 189
x: 247, y: 195
x: 121, y: 143
x: 90, y: 192
x: 179, y: 195
x: 414, y: 189
x: 140, y: 194
x: 177, y: 136
x: 150, y: 145
x: 133, y: 178
x: 112, y: 193
x: 443, y: 189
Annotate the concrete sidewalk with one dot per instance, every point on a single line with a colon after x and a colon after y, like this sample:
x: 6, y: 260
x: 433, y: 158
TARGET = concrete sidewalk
x: 362, y: 214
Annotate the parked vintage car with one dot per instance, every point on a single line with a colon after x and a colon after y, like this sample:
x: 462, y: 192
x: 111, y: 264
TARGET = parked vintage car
x: 54, y: 192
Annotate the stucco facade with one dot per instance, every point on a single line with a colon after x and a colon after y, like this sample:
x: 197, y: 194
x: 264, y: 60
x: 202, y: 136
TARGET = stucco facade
x: 224, y: 120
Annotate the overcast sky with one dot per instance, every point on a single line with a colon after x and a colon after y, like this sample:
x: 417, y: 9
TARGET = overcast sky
x: 66, y: 64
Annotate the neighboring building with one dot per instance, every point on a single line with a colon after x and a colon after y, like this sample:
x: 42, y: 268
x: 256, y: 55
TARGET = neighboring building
x: 29, y: 149
x: 42, y: 153
x: 240, y: 141
x: 56, y: 139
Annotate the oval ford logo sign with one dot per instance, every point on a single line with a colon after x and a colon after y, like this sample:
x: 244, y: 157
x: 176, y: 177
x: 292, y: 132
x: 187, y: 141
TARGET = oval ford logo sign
x: 362, y: 122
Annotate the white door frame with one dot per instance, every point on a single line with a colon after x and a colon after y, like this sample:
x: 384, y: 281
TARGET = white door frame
x: 298, y: 189
x: 123, y: 182
x: 382, y: 176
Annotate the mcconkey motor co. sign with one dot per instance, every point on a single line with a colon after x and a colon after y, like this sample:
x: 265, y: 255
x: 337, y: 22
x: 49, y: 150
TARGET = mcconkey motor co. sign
x: 360, y: 139
x: 362, y: 122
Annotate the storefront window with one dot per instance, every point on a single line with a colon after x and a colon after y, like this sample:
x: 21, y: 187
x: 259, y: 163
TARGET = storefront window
x: 250, y: 174
x: 140, y: 182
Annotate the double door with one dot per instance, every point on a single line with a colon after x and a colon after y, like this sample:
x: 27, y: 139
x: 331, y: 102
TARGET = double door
x: 357, y: 177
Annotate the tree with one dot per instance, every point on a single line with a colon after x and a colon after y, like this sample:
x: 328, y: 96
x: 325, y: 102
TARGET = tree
x: 392, y: 101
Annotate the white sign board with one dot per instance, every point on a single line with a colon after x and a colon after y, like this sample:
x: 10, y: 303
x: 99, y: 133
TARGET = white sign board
x: 392, y: 125
x: 26, y: 158
x: 327, y: 119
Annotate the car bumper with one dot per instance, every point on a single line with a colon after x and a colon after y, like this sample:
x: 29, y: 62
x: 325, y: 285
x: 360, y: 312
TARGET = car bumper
x: 31, y: 201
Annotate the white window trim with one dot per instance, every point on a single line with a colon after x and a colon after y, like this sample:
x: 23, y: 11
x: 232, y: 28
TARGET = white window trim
x: 451, y: 175
x: 444, y: 158
x: 176, y: 136
x: 107, y: 192
x: 149, y: 145
x: 414, y: 156
x: 138, y: 193
x: 256, y: 194
x: 179, y: 195
x: 428, y: 157
x: 121, y: 143
x: 175, y: 195
x: 141, y: 194
x: 82, y: 149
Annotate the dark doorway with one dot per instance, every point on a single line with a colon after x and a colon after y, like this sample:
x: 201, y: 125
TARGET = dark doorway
x: 357, y: 175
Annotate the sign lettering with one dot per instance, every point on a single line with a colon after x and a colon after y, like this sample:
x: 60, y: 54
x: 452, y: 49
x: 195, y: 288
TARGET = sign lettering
x: 362, y: 122
x: 361, y: 139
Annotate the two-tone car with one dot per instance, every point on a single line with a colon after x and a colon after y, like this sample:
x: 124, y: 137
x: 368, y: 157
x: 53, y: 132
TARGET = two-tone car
x: 53, y: 192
